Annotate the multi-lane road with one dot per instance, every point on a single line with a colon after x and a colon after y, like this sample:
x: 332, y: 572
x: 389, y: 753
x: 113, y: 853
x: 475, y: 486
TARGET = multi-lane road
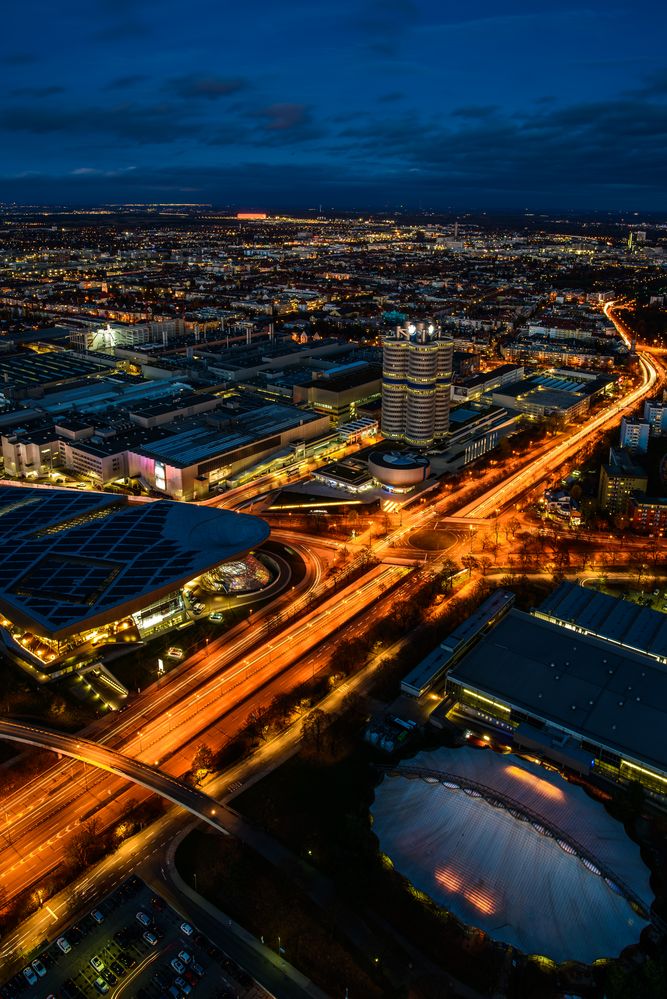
x: 211, y: 695
x: 211, y: 700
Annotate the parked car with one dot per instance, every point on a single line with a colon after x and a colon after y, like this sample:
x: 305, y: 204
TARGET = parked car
x: 64, y: 945
x: 97, y: 962
x: 143, y: 918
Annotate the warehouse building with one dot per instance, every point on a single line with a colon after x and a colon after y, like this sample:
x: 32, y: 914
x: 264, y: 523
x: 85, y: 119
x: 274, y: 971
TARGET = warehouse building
x: 582, y: 682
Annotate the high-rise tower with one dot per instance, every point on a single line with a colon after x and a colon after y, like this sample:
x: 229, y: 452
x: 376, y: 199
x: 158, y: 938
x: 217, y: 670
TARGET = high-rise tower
x: 416, y: 376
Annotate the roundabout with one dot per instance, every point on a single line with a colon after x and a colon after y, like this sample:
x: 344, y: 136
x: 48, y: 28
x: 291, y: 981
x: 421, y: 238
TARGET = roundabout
x: 433, y: 540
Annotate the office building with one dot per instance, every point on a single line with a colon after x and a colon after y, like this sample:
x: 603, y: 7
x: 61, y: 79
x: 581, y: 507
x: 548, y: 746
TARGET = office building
x: 416, y: 382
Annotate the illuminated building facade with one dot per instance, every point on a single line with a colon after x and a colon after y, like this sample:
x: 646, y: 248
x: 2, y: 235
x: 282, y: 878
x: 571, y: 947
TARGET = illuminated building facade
x: 81, y: 569
x: 581, y: 681
x: 416, y: 379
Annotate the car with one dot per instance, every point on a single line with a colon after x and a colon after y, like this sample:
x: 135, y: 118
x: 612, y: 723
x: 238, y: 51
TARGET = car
x: 117, y: 969
x: 187, y: 929
x: 200, y: 939
x: 64, y: 944
x: 175, y: 653
x: 176, y: 965
x: 173, y: 991
x: 143, y: 918
x: 109, y: 977
x: 101, y: 986
x: 97, y: 916
x: 150, y: 938
x: 39, y: 967
x: 197, y: 968
x: 127, y: 960
x: 190, y: 976
x: 184, y: 956
x: 160, y: 978
x: 216, y: 616
x: 157, y: 903
x: 181, y: 983
x: 30, y: 975
x: 198, y: 608
x: 97, y: 962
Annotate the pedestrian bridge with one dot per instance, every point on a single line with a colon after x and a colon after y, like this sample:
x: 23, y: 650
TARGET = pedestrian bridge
x: 176, y: 791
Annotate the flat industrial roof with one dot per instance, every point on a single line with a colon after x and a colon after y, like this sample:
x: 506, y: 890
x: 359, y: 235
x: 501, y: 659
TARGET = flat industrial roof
x: 201, y: 443
x: 71, y: 560
x: 588, y: 686
x: 638, y: 629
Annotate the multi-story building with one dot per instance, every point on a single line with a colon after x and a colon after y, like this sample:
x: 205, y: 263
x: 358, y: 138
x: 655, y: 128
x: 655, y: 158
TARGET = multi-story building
x: 416, y: 380
x: 655, y: 413
x: 635, y: 435
x: 648, y: 514
x: 619, y: 479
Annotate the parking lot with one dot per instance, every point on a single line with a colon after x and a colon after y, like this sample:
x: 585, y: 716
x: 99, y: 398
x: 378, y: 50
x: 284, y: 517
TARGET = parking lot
x: 133, y: 945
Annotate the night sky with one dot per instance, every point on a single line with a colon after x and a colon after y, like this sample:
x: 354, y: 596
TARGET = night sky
x: 349, y: 104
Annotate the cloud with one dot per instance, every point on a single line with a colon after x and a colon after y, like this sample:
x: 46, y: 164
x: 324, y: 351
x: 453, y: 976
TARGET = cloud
x: 19, y: 59
x: 122, y: 82
x: 285, y: 117
x: 475, y: 111
x: 211, y: 87
x: 383, y: 25
x: 36, y: 91
x: 138, y: 124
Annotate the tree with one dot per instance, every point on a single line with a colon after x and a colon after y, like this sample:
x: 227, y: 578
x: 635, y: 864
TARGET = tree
x: 485, y: 564
x: 469, y: 562
x: 203, y: 758
x: 84, y: 845
x: 313, y: 728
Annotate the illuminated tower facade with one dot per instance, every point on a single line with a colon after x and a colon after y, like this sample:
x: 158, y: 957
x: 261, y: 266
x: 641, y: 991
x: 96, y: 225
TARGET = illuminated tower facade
x: 416, y: 377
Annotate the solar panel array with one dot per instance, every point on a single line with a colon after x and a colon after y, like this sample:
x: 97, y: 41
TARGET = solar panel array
x: 65, y: 578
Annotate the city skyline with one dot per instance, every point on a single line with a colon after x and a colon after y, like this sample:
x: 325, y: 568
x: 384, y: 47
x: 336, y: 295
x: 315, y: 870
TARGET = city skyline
x: 362, y: 105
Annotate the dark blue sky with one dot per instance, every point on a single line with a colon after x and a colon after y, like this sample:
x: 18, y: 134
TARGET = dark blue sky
x: 353, y: 103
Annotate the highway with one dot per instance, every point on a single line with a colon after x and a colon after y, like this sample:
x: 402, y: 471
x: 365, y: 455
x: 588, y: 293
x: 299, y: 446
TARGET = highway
x: 211, y: 695
x: 100, y: 756
x: 214, y: 698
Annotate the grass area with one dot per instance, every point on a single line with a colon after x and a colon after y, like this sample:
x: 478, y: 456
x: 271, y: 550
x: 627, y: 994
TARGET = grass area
x: 318, y: 805
x: 266, y: 902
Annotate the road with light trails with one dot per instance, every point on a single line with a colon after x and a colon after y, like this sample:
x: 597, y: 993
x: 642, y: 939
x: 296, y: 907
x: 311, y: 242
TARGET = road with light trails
x: 38, y: 818
x: 219, y: 683
x: 52, y: 918
x: 96, y: 755
x: 501, y: 495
